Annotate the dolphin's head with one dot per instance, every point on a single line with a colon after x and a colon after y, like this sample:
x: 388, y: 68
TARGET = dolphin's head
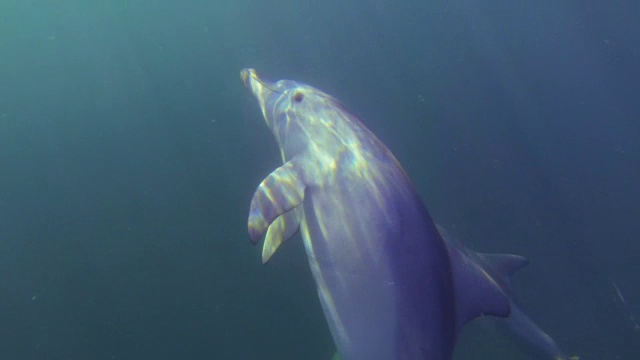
x: 292, y: 111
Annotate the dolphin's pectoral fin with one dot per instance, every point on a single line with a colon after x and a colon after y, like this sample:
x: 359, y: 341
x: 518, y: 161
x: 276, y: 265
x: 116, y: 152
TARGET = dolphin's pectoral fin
x: 280, y: 230
x: 278, y: 193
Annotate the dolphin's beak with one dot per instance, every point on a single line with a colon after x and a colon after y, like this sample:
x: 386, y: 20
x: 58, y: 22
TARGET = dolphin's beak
x: 245, y: 74
x: 257, y: 86
x: 261, y: 89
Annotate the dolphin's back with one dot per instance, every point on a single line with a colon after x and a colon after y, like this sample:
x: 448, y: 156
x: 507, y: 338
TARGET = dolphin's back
x: 382, y: 271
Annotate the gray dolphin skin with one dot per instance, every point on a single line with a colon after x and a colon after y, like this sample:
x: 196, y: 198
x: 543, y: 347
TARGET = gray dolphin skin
x: 390, y: 286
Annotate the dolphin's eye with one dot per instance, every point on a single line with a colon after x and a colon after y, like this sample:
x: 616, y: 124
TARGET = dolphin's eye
x: 297, y: 97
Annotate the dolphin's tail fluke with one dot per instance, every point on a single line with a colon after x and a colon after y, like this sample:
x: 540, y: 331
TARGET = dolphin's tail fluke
x: 529, y: 334
x: 518, y: 324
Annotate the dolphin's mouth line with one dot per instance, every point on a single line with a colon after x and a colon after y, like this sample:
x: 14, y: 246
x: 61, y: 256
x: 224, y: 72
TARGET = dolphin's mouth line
x: 255, y: 77
x: 265, y: 84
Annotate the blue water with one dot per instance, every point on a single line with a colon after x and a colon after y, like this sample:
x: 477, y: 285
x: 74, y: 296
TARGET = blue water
x: 129, y: 152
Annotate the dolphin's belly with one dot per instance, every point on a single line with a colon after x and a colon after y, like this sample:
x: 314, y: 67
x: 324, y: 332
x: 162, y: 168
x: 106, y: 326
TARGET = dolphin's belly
x: 382, y: 272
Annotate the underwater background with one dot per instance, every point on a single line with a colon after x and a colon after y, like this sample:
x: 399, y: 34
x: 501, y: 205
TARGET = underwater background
x: 130, y: 149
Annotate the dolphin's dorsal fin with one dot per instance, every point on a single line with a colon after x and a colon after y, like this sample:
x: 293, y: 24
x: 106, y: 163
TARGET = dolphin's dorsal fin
x: 505, y: 264
x: 476, y: 292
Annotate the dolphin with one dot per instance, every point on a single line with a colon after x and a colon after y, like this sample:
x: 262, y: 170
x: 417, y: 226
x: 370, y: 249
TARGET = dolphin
x: 389, y: 286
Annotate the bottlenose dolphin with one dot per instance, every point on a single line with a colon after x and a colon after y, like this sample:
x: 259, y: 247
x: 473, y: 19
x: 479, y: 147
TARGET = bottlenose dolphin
x: 389, y: 286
